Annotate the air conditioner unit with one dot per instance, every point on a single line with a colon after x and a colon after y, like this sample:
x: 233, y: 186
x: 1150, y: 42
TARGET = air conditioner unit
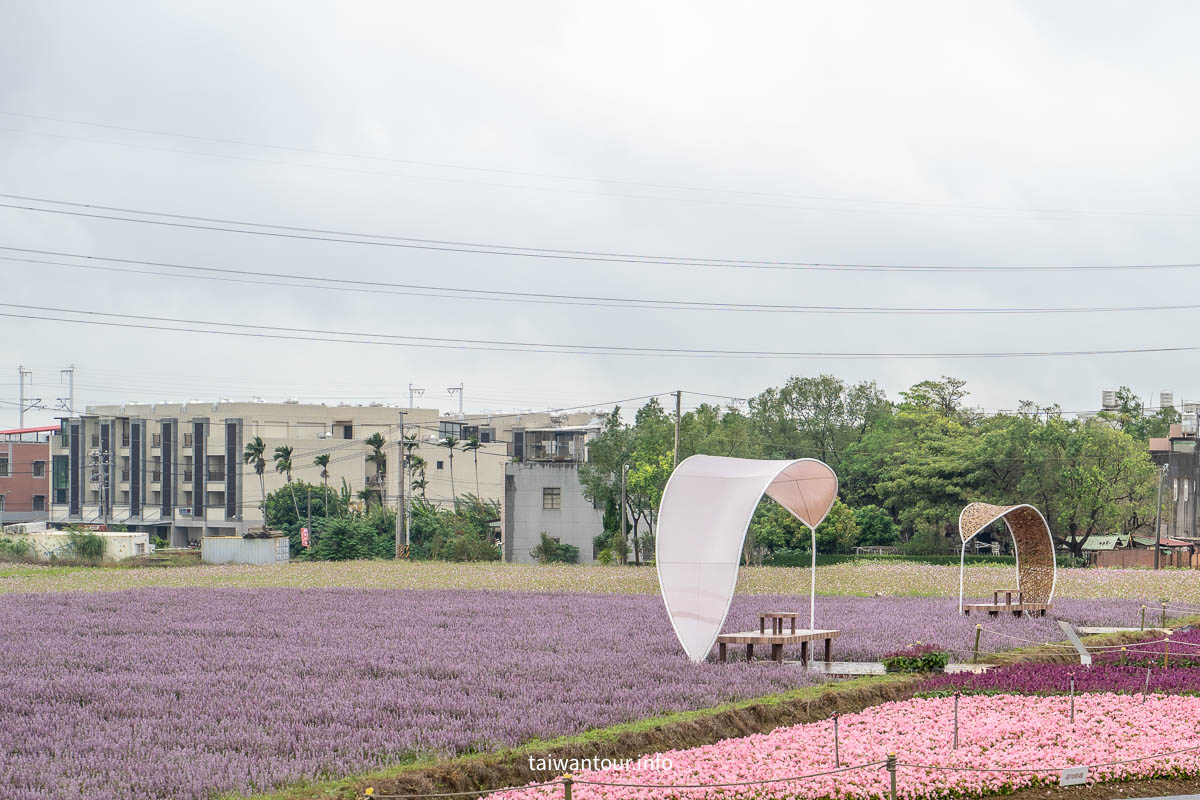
x: 184, y: 512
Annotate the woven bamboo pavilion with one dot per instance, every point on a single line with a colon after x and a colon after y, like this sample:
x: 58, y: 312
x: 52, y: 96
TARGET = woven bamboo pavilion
x: 1033, y: 544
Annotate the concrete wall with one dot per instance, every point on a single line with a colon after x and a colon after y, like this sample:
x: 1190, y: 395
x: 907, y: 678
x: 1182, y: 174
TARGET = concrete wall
x: 576, y: 522
x: 118, y: 545
x: 1143, y: 558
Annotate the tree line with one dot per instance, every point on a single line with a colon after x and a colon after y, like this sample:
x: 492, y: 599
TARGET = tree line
x: 906, y: 466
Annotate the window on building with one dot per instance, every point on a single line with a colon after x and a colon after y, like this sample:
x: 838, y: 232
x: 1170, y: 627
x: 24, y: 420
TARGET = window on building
x: 39, y: 469
x: 439, y: 465
x: 61, y: 465
x: 1175, y: 489
x: 140, y: 549
x: 156, y: 440
x: 187, y: 440
x: 454, y: 429
x: 4, y: 473
x: 95, y: 440
x: 1, y: 502
x: 347, y: 431
x: 551, y: 497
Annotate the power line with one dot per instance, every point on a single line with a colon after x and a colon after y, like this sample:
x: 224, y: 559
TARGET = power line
x: 496, y: 345
x: 597, y: 301
x: 387, y: 240
x: 553, y: 176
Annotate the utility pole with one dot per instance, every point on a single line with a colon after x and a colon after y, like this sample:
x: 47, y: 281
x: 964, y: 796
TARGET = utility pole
x: 678, y: 406
x: 402, y: 508
x: 411, y: 391
x: 68, y: 402
x: 459, y: 389
x: 21, y: 408
x: 1158, y: 516
x: 624, y: 527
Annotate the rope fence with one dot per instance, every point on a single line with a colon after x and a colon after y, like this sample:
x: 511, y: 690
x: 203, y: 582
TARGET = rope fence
x: 891, y: 764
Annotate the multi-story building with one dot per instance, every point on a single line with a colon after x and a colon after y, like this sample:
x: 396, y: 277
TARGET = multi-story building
x: 176, y: 470
x: 25, y: 475
x: 542, y: 493
x: 1178, y: 456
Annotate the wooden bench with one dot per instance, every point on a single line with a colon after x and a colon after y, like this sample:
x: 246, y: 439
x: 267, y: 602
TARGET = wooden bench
x: 777, y: 641
x: 1018, y: 608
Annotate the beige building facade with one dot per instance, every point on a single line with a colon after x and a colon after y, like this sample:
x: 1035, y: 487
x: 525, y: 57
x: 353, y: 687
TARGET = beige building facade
x: 176, y: 470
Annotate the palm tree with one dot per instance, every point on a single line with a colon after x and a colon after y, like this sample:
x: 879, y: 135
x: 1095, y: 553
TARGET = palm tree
x: 255, y: 453
x: 283, y: 463
x: 450, y: 443
x: 377, y: 457
x: 420, y: 485
x: 472, y: 446
x: 365, y: 495
x: 322, y: 461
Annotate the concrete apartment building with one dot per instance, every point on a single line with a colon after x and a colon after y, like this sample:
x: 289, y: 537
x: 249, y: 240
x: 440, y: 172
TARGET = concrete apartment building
x: 25, y: 475
x: 175, y: 469
x: 542, y: 493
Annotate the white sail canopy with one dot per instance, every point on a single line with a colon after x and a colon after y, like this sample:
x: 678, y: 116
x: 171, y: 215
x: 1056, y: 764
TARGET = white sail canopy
x: 702, y: 523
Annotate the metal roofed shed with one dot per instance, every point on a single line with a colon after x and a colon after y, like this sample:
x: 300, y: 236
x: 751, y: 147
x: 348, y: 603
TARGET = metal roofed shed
x: 244, y: 550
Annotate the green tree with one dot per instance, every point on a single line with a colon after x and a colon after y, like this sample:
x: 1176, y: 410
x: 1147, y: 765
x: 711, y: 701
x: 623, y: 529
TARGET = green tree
x: 876, y: 528
x: 450, y: 443
x: 377, y: 457
x: 838, y: 532
x: 283, y: 464
x: 255, y: 453
x: 1132, y: 417
x: 472, y: 446
x: 1107, y: 484
x: 281, y: 514
x: 815, y: 417
x: 322, y: 460
x: 548, y: 551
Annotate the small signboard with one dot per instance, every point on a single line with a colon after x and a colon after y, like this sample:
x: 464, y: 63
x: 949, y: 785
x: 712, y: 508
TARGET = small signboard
x: 1073, y: 776
x: 304, y: 537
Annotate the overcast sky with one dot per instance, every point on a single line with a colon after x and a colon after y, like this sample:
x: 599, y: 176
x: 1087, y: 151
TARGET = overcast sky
x: 931, y: 134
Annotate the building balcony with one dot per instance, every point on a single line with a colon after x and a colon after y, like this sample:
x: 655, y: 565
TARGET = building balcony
x: 214, y: 514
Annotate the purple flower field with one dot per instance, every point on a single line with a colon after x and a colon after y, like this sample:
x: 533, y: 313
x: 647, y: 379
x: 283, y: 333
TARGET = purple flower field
x: 177, y: 693
x: 1111, y: 671
x: 1056, y: 679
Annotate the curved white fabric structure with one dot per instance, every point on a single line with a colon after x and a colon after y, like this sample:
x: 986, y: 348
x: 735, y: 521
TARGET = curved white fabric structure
x: 702, y: 521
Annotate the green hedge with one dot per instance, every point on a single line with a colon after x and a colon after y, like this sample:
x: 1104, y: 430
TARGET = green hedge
x: 801, y: 558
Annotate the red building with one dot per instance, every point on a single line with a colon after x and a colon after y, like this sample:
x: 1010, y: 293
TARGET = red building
x: 25, y: 471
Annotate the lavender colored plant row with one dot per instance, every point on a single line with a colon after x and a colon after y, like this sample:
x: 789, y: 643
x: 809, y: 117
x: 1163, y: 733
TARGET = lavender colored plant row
x: 1056, y: 679
x: 176, y: 693
x: 1139, y: 668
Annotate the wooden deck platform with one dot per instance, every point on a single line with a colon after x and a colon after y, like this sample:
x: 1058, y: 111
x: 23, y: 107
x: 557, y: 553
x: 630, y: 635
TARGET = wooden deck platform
x: 777, y: 640
x: 1017, y: 609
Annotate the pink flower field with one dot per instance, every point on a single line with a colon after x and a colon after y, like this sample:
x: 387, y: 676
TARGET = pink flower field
x: 995, y: 732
